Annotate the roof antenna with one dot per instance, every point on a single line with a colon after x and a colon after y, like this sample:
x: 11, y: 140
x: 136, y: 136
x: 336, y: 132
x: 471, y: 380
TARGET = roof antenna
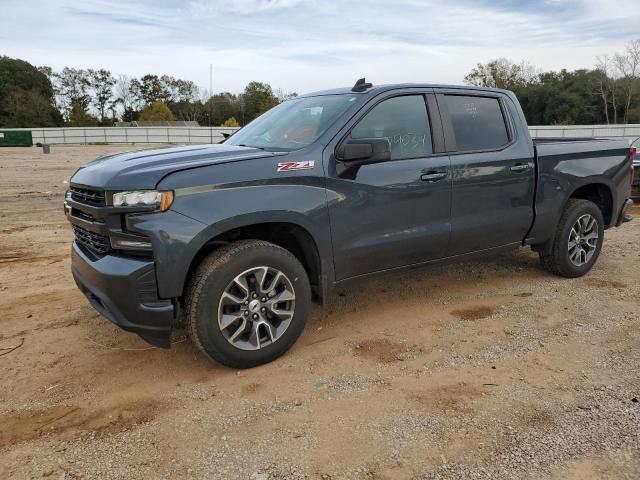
x: 361, y: 85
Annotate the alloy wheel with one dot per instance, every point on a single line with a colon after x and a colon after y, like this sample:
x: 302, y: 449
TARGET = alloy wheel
x: 256, y: 308
x: 583, y: 240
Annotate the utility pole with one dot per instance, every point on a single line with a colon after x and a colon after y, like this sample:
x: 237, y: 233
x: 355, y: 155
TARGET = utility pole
x: 210, y: 92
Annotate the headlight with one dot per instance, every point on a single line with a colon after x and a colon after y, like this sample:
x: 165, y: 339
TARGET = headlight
x: 162, y: 200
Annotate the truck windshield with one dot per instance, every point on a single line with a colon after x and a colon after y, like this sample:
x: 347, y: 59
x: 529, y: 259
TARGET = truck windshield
x: 293, y: 124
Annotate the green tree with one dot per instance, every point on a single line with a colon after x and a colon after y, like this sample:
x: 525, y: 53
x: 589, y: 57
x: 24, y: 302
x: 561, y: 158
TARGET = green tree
x: 15, y: 73
x: 257, y: 98
x: 72, y: 88
x: 230, y: 122
x: 564, y: 98
x: 26, y: 95
x: 150, y: 89
x: 79, y: 117
x: 29, y: 108
x: 502, y: 73
x: 156, y: 112
x: 102, y: 83
x: 190, y: 111
x: 179, y: 90
x: 222, y: 106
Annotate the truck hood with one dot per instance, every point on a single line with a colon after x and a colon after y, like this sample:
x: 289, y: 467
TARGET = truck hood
x: 143, y: 169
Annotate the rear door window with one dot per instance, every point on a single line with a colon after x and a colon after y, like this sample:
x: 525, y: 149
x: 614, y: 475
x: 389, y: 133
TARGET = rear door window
x: 478, y: 122
x: 401, y: 120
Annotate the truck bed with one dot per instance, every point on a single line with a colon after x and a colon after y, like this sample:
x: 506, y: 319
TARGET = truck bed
x: 592, y: 152
x: 563, y: 164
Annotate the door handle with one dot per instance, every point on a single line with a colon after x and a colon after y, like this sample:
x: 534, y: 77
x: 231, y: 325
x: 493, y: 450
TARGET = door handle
x: 433, y: 176
x: 520, y: 167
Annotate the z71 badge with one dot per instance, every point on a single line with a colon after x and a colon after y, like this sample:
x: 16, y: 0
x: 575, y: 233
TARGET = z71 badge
x: 289, y: 166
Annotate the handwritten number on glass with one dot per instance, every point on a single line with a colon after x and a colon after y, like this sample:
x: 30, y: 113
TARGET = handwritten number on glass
x: 411, y: 141
x: 472, y: 109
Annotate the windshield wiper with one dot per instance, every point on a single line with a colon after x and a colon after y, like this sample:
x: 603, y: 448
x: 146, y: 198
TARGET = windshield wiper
x: 250, y: 146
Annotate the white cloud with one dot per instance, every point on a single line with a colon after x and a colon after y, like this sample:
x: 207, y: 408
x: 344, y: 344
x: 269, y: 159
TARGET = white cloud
x: 215, y: 7
x: 305, y: 45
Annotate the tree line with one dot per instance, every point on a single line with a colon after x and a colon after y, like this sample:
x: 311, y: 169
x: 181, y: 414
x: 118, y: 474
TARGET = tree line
x: 606, y: 94
x: 33, y: 96
x: 39, y: 97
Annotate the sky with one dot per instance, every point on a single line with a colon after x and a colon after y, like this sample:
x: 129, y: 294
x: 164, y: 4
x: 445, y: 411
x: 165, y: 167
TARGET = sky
x: 307, y: 45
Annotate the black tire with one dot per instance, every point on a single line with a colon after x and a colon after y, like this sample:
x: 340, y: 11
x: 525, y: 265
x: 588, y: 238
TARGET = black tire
x: 208, y: 283
x: 557, y: 259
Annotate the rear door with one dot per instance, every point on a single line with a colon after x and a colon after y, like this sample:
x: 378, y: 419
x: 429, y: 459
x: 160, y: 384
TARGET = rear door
x: 492, y: 169
x: 394, y: 213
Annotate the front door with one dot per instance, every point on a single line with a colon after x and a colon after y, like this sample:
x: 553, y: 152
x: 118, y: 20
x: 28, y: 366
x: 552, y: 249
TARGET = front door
x: 394, y: 213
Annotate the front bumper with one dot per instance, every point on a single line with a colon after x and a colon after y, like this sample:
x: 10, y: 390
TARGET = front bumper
x: 124, y: 290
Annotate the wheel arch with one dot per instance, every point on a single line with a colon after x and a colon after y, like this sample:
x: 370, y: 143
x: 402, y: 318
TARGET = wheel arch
x: 596, y: 190
x: 599, y: 193
x: 290, y: 235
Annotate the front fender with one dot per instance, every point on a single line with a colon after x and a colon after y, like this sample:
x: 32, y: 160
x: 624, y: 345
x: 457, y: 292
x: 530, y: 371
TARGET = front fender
x: 200, y: 214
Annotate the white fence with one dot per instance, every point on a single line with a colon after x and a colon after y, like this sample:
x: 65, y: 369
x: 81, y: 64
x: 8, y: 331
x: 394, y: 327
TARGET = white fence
x: 195, y: 135
x: 630, y: 132
x: 75, y: 135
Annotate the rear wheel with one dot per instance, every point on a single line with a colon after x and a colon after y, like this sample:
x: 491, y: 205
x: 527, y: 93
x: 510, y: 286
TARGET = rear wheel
x: 577, y: 242
x: 247, y: 303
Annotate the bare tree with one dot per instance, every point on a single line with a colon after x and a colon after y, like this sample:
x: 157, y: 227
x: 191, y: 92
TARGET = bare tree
x: 126, y: 96
x: 604, y: 85
x: 627, y: 65
x: 284, y: 95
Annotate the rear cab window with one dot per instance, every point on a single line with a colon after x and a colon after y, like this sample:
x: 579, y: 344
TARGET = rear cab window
x: 478, y: 122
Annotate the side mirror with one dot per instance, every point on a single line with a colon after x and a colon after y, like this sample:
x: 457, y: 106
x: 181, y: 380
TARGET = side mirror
x: 364, y: 151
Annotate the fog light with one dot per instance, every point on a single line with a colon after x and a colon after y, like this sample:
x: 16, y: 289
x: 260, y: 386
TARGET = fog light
x: 126, y: 244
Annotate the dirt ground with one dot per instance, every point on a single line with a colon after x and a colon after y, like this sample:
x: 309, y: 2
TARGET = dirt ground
x: 492, y: 369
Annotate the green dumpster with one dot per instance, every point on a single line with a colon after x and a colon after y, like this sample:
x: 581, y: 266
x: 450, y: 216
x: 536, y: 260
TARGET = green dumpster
x: 16, y: 138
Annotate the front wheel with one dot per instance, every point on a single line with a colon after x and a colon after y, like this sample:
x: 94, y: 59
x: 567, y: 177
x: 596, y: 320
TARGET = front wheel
x: 577, y: 241
x: 247, y: 303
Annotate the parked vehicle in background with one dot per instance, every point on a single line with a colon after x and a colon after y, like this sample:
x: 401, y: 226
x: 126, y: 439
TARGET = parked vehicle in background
x: 235, y: 240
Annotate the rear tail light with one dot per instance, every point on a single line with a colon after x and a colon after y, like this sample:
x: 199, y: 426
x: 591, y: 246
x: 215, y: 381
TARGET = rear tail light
x: 633, y: 153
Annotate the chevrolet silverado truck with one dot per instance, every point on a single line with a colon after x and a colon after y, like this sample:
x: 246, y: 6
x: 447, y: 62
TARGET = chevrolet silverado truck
x: 234, y: 241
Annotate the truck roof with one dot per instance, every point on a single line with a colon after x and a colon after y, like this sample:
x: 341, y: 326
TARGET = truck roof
x: 376, y: 89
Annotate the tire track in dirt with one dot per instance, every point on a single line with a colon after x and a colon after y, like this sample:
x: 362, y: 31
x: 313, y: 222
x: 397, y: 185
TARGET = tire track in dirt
x: 24, y: 257
x: 36, y: 306
x: 70, y: 422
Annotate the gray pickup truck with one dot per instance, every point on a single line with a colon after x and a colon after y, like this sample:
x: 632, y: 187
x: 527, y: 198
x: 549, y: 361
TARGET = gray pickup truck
x: 235, y: 240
